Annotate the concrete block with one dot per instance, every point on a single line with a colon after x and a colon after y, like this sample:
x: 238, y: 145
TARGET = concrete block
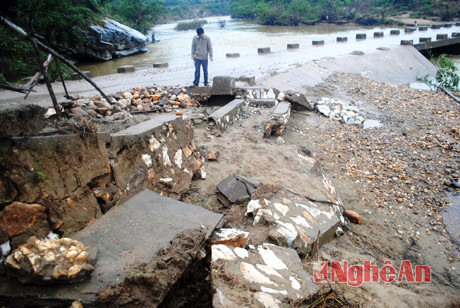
x: 201, y: 94
x: 263, y: 50
x: 76, y: 76
x: 378, y: 34
x: 317, y: 43
x: 436, y: 26
x: 395, y: 32
x: 442, y: 37
x: 160, y: 65
x: 410, y: 29
x: 293, y: 46
x: 249, y: 80
x: 232, y: 55
x: 423, y: 28
x: 342, y: 39
x: 279, y: 120
x: 262, y: 102
x: 126, y: 238
x: 361, y: 36
x: 457, y: 24
x: 266, y: 276
x: 126, y: 69
x: 294, y: 221
x: 425, y: 39
x: 223, y: 85
x: 407, y: 42
x: 447, y: 25
x: 455, y: 34
x: 227, y: 115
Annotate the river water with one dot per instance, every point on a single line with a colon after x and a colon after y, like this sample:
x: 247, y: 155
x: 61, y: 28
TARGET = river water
x: 245, y: 37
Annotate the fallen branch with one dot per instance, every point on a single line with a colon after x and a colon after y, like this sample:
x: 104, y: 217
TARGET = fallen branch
x: 14, y: 88
x: 450, y: 94
x: 31, y: 84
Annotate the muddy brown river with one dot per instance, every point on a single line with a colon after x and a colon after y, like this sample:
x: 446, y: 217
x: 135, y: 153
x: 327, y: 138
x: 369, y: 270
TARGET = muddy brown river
x: 245, y: 37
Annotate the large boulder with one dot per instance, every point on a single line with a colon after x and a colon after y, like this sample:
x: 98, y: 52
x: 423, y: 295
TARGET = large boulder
x: 112, y: 40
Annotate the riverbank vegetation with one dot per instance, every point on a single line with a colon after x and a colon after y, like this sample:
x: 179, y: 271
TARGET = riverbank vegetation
x: 365, y: 12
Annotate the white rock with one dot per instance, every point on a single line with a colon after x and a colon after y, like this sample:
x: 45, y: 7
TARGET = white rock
x: 178, y: 158
x: 154, y: 144
x: 6, y: 248
x: 251, y: 274
x: 166, y: 159
x: 268, y: 270
x: 294, y: 283
x: 147, y: 159
x: 252, y: 206
x: 222, y: 252
x: 241, y: 252
x: 270, y: 258
x: 283, y: 209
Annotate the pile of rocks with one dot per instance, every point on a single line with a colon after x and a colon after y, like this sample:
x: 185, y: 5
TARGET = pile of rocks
x: 137, y: 100
x: 338, y: 110
x: 50, y: 261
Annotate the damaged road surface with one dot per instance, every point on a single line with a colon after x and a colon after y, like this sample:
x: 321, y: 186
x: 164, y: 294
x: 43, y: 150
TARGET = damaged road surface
x: 143, y: 247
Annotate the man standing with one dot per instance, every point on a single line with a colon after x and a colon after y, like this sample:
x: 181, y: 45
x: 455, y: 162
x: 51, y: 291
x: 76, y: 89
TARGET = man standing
x: 201, y: 48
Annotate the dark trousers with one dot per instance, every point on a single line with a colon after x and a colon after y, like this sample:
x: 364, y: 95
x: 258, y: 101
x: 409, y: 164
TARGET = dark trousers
x: 199, y: 63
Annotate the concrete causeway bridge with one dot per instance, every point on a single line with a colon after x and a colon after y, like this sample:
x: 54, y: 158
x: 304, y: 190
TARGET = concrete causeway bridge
x: 447, y: 46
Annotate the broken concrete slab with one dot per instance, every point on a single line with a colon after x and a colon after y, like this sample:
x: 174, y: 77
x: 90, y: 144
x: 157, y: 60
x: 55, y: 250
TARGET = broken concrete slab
x: 227, y: 115
x: 223, y: 85
x: 269, y: 276
x: 262, y: 102
x: 296, y: 221
x: 278, y: 121
x: 200, y: 94
x: 299, y: 101
x: 127, y: 237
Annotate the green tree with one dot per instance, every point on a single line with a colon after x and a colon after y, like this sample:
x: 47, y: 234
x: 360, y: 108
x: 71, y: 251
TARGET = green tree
x: 139, y: 14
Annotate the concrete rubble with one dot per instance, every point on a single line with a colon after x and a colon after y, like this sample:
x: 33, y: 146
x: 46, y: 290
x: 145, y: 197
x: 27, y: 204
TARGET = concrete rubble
x: 266, y: 276
x: 279, y: 120
x: 339, y: 110
x: 295, y: 221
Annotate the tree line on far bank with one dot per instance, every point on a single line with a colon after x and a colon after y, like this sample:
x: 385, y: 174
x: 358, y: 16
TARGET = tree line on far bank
x: 365, y: 12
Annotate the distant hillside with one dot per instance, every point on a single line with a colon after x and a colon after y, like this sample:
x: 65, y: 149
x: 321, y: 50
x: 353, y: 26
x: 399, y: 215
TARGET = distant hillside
x: 366, y: 12
x: 189, y: 9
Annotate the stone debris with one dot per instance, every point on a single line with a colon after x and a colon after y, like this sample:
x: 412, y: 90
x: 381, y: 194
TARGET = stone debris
x: 339, y: 110
x: 230, y: 237
x: 159, y: 99
x: 353, y: 216
x: 298, y: 101
x: 268, y: 276
x: 295, y: 221
x: 279, y: 120
x: 50, y: 261
x: 236, y: 188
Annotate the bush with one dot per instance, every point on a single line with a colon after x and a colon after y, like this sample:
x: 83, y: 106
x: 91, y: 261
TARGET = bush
x: 447, y: 76
x: 188, y: 25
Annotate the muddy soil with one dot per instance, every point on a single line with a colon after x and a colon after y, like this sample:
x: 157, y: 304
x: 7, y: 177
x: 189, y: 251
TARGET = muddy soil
x: 395, y: 176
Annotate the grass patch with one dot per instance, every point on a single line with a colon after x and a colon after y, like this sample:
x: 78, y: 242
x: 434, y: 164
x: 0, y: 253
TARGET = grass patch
x: 189, y: 25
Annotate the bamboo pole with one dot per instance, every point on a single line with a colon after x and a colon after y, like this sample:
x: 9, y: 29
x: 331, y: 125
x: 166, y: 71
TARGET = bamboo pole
x: 62, y: 79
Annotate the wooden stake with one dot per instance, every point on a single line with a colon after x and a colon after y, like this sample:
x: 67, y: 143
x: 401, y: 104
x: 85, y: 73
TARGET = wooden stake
x: 44, y: 71
x: 62, y: 79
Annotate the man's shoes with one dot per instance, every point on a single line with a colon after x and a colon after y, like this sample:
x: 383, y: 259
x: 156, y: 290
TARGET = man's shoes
x: 194, y: 85
x: 206, y: 84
